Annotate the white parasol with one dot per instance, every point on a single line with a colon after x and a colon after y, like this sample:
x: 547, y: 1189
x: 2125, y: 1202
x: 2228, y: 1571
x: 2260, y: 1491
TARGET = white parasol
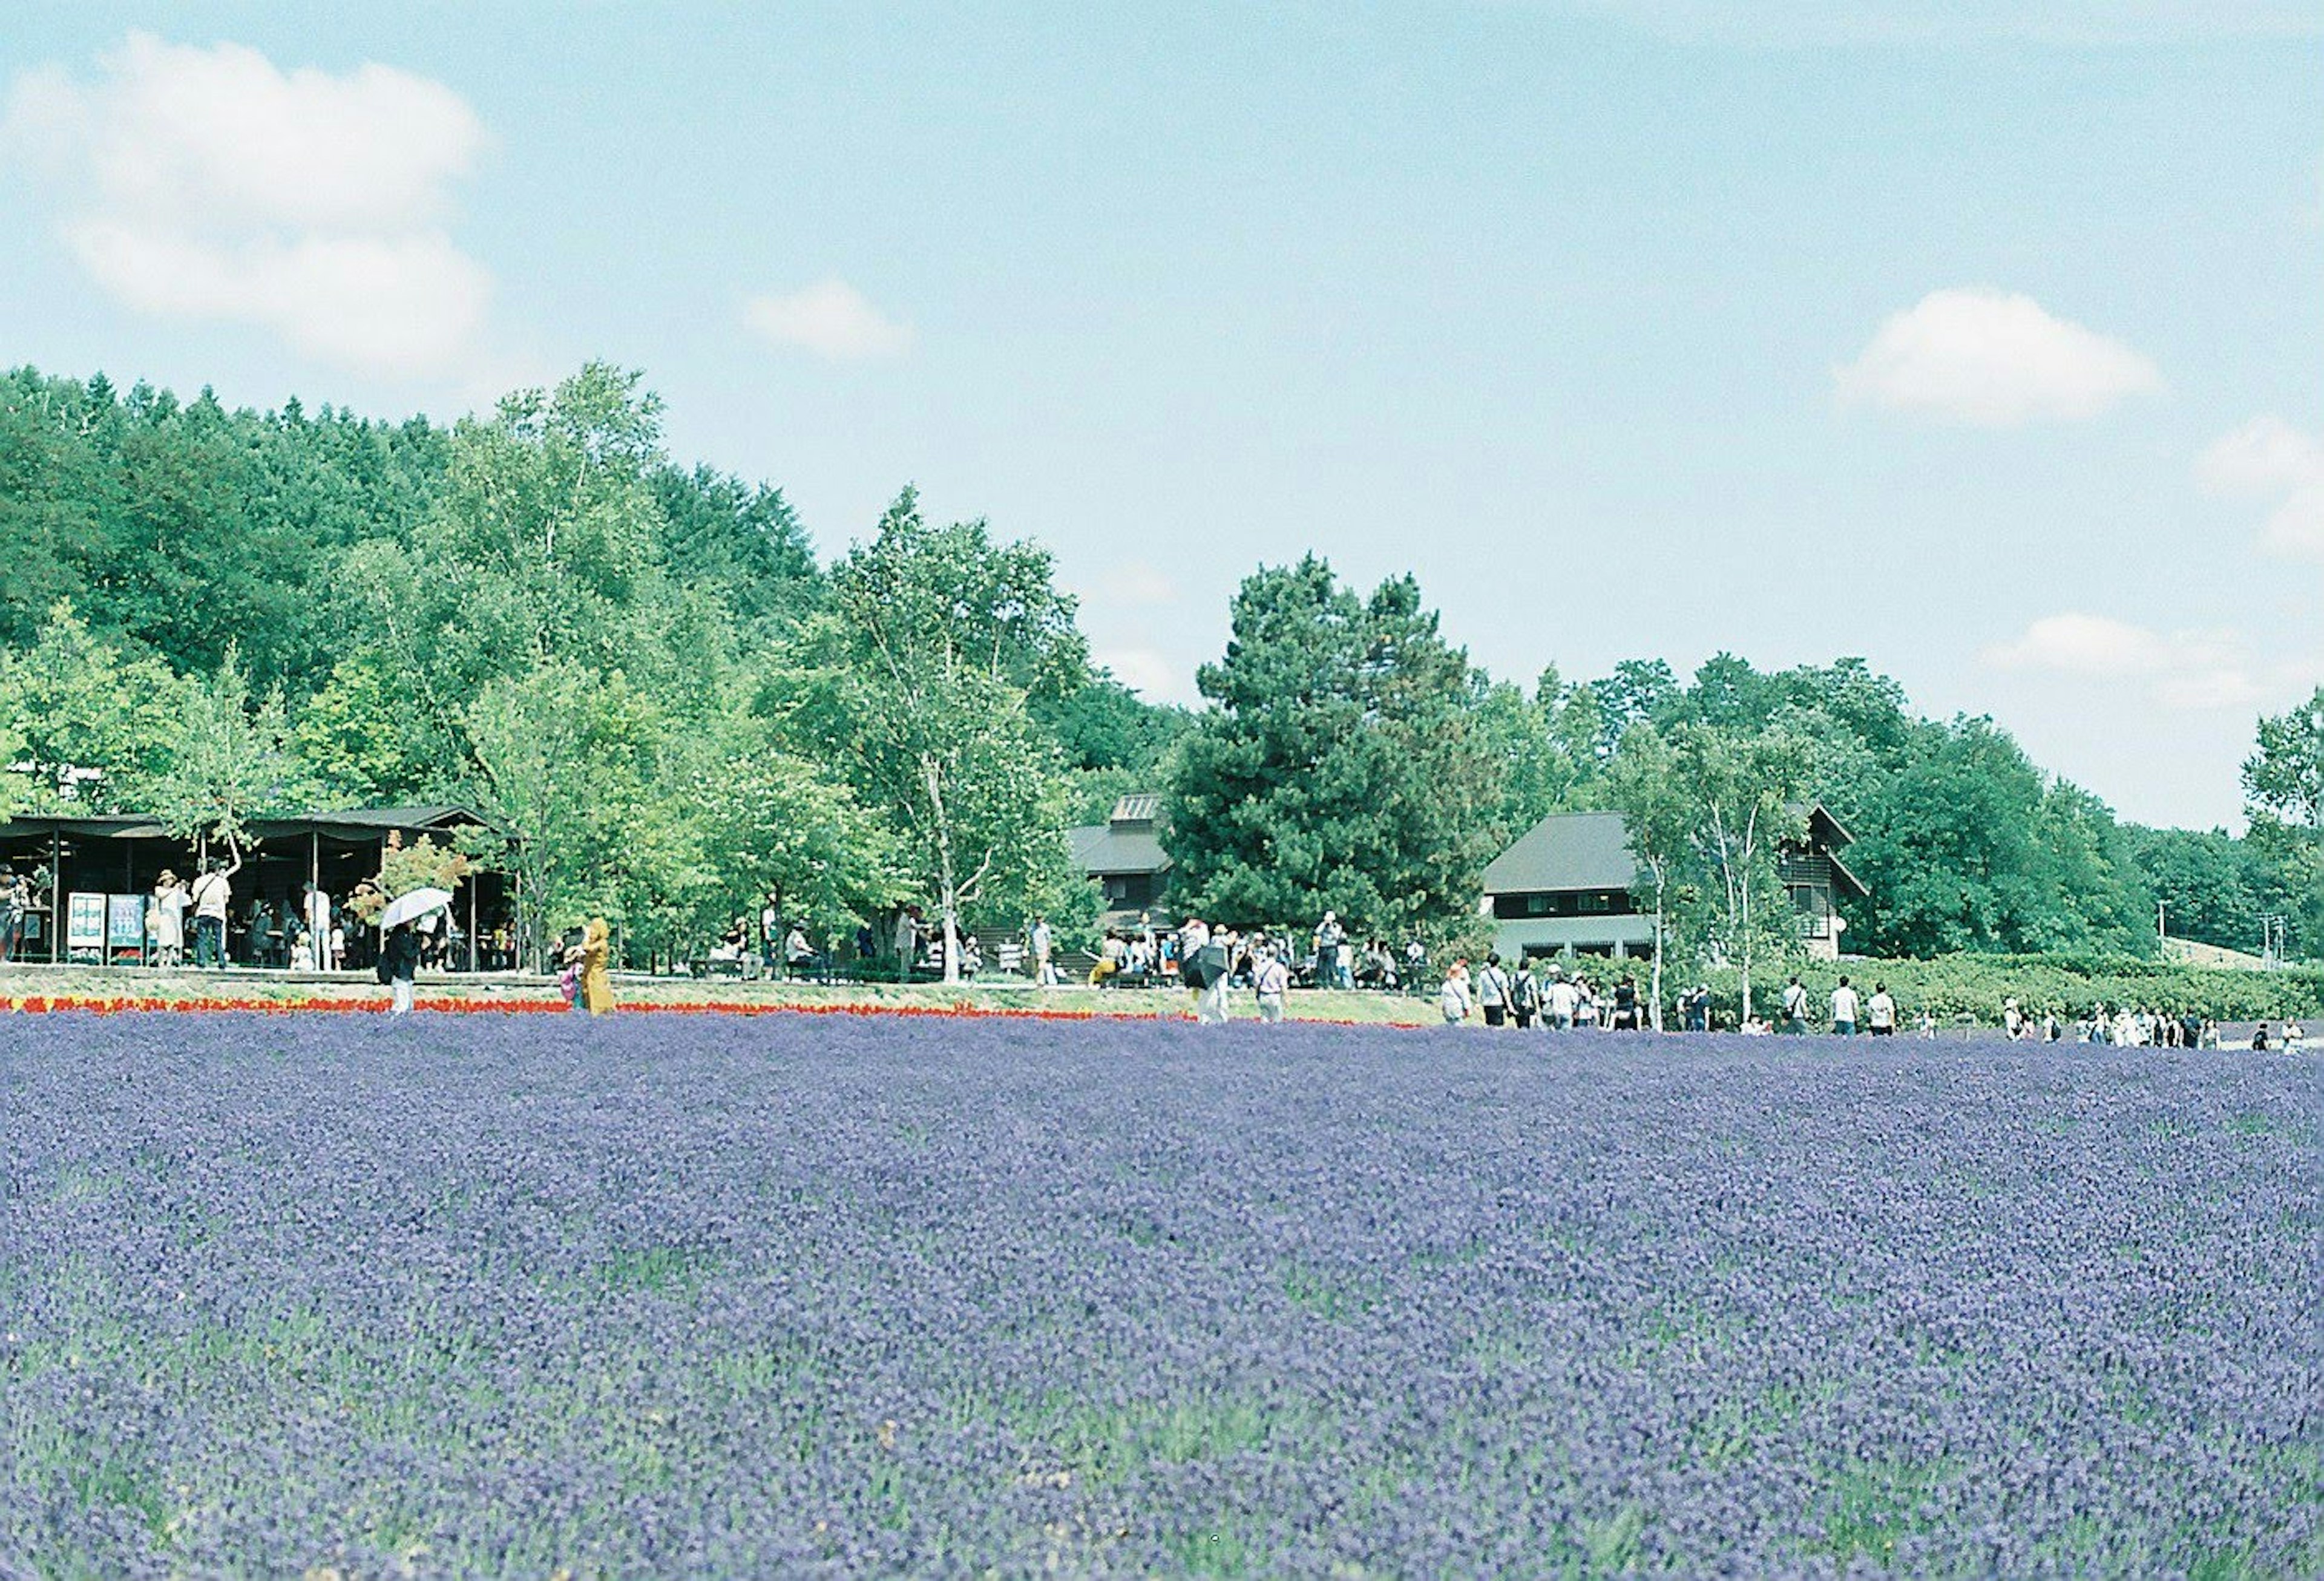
x: 413, y: 904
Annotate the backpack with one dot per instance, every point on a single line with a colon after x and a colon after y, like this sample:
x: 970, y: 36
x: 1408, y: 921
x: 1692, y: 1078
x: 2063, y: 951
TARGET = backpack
x: 1525, y: 994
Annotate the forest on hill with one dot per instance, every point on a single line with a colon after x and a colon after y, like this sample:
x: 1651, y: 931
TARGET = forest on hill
x: 643, y: 669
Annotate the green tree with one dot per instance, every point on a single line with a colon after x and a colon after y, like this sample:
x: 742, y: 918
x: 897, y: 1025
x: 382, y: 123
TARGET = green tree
x: 232, y: 761
x: 1342, y: 767
x: 917, y: 686
x: 566, y: 758
x: 91, y: 720
x: 2284, y: 797
x: 2209, y: 883
x: 1643, y: 784
x: 769, y: 825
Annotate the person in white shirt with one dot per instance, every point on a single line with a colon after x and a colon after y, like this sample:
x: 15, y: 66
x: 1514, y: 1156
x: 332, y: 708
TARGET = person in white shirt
x: 1843, y: 1010
x: 1453, y: 1001
x: 1493, y: 991
x: 212, y: 893
x: 1796, y: 1006
x: 315, y: 911
x: 1880, y: 1011
x: 1560, y: 1000
x: 170, y: 903
x: 1272, y: 982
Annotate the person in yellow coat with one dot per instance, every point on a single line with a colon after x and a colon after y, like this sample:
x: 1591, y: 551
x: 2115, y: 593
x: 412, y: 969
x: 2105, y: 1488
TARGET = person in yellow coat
x: 595, y: 991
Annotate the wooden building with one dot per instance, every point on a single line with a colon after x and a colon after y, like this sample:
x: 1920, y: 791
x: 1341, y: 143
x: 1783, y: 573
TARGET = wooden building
x: 1123, y: 856
x: 1571, y: 885
x: 94, y: 872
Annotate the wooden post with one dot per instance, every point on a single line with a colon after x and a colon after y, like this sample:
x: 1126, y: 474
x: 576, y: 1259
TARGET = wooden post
x: 56, y: 894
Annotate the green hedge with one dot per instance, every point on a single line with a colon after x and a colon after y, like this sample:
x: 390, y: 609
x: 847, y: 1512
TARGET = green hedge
x: 1977, y: 985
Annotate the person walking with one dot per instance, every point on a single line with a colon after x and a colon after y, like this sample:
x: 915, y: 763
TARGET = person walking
x: 1493, y: 991
x: 1796, y: 1006
x: 594, y: 991
x: 399, y: 967
x: 212, y: 893
x: 1560, y: 1002
x: 1525, y: 994
x: 1844, y: 1009
x: 1626, y: 1006
x: 1272, y: 982
x: 1453, y: 1001
x: 1880, y: 1011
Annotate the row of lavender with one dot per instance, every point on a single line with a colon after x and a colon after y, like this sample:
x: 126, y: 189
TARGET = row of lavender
x: 718, y: 1296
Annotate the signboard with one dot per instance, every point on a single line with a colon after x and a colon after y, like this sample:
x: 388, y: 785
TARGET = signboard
x: 84, y: 924
x: 124, y: 927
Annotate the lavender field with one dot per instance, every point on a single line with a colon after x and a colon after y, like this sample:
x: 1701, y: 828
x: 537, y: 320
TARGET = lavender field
x: 701, y: 1295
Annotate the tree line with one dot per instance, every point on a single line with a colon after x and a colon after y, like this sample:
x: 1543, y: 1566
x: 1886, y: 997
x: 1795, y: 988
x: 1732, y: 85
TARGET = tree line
x: 213, y: 615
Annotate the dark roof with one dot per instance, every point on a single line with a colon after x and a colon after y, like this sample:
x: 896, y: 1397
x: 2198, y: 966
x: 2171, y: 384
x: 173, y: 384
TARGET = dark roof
x: 1566, y: 851
x: 1138, y: 807
x: 1826, y: 829
x: 97, y: 826
x: 1848, y: 880
x: 1101, y: 849
x: 357, y: 821
x: 407, y: 818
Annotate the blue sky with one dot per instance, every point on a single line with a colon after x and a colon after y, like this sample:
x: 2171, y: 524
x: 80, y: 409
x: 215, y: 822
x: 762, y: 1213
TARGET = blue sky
x: 1986, y: 341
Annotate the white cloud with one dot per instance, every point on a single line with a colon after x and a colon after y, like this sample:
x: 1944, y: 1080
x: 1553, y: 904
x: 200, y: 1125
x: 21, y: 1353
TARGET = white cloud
x: 209, y: 184
x: 1136, y: 584
x: 832, y: 319
x: 1992, y: 359
x: 2190, y: 671
x: 1145, y: 671
x: 2269, y: 459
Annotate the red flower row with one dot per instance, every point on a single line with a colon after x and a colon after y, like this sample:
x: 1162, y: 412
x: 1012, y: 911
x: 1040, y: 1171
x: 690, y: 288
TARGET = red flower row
x: 42, y: 1003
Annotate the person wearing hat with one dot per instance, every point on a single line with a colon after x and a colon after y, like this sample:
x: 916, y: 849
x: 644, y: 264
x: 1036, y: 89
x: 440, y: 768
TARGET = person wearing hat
x: 1329, y: 935
x: 170, y: 901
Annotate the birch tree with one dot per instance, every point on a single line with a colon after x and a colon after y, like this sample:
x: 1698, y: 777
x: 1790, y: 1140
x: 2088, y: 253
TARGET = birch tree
x: 916, y: 688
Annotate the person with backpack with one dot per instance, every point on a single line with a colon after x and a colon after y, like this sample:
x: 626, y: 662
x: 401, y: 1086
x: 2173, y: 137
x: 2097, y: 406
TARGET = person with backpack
x: 1493, y: 991
x: 1525, y: 995
x: 1796, y: 1006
